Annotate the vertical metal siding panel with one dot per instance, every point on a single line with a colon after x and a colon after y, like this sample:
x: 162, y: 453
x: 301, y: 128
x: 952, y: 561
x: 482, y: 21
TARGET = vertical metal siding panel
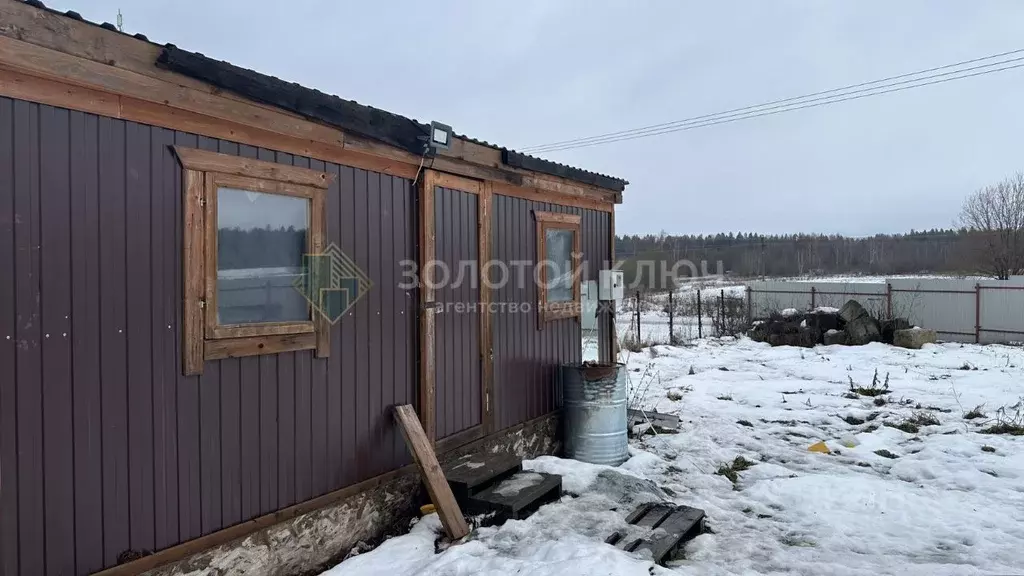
x: 138, y: 302
x: 497, y: 319
x: 387, y: 343
x: 464, y: 384
x: 398, y: 311
x: 230, y: 441
x: 318, y: 394
x: 538, y: 339
x: 517, y: 373
x: 116, y: 520
x: 268, y: 434
x: 209, y: 428
x: 348, y: 380
x: 375, y: 358
x: 475, y: 411
x: 210, y: 448
x: 502, y: 367
x: 55, y: 309
x: 189, y: 499
x: 171, y: 247
x: 333, y: 404
x: 249, y: 416
x: 160, y: 330
x: 28, y: 335
x: 515, y: 295
x: 360, y: 255
x: 303, y: 459
x: 286, y: 429
x: 412, y: 321
x: 526, y: 334
x: 456, y: 337
x: 8, y: 346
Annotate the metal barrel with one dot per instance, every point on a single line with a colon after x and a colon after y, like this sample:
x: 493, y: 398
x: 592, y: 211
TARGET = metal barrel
x: 594, y: 400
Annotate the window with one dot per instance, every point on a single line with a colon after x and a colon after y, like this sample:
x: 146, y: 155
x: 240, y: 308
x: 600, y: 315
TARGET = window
x: 249, y: 228
x: 558, y: 255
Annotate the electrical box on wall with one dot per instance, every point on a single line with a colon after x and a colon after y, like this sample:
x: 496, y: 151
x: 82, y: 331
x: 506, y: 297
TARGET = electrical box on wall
x: 610, y: 285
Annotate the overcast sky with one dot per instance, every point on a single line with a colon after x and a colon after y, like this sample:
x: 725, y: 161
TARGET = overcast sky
x: 532, y: 72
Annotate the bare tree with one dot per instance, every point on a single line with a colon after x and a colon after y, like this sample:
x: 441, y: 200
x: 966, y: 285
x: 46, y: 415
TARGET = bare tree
x: 996, y: 214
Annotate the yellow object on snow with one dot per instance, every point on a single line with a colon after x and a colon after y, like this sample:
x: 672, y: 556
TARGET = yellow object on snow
x: 819, y: 447
x: 426, y: 509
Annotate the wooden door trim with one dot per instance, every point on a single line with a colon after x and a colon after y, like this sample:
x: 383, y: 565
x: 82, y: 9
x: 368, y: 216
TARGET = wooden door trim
x: 486, y: 335
x: 427, y: 411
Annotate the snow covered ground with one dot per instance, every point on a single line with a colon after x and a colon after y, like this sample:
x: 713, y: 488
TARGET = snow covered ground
x: 934, y: 496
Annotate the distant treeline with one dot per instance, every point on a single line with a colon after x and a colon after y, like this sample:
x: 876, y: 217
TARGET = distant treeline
x: 933, y: 251
x: 260, y: 247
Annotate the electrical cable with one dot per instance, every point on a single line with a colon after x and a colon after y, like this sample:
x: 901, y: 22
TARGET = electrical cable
x: 789, y: 104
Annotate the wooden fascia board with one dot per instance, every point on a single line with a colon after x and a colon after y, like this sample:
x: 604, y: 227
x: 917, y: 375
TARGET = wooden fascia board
x: 173, y: 95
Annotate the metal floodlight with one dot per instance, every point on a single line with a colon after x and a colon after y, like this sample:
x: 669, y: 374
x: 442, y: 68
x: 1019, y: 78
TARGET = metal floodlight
x: 440, y: 136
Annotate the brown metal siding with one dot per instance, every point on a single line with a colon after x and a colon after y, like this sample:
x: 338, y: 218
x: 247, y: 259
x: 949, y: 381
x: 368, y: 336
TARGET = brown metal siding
x: 135, y: 455
x: 457, y: 331
x: 526, y: 358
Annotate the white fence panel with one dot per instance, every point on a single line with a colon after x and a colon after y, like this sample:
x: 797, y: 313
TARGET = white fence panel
x: 1002, y: 311
x: 946, y: 305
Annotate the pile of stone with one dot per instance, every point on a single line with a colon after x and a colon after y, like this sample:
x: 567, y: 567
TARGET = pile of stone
x: 851, y: 325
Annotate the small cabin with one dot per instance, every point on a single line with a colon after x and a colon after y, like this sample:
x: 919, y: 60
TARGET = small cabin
x: 215, y: 284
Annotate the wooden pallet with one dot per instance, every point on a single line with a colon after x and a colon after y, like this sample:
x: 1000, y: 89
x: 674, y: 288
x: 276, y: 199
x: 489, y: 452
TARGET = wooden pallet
x: 665, y: 526
x: 518, y: 495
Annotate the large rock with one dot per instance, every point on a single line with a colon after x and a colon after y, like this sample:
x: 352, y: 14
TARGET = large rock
x: 889, y: 328
x: 852, y: 310
x: 822, y: 321
x: 804, y: 338
x: 914, y: 338
x: 862, y: 330
x: 833, y: 337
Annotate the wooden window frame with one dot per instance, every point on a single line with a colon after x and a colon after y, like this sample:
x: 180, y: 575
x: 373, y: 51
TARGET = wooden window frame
x: 557, y: 310
x: 204, y: 338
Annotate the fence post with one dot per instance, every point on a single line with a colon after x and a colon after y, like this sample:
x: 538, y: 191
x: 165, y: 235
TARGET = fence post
x: 814, y: 299
x: 721, y: 312
x: 750, y: 307
x: 638, y: 318
x: 671, y: 310
x: 888, y: 300
x: 977, y: 313
x: 700, y: 331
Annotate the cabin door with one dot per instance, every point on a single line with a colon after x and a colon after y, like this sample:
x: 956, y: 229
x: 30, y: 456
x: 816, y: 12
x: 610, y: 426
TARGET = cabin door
x: 456, y: 302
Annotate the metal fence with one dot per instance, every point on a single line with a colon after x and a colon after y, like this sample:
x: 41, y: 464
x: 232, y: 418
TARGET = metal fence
x: 958, y: 309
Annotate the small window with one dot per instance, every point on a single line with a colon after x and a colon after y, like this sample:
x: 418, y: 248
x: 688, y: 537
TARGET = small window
x: 250, y: 227
x: 558, y: 254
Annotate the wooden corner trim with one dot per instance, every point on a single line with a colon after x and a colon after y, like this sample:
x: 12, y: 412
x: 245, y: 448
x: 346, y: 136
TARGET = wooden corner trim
x: 206, y: 161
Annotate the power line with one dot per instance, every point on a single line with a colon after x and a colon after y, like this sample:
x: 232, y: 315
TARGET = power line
x: 773, y: 112
x: 837, y: 95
